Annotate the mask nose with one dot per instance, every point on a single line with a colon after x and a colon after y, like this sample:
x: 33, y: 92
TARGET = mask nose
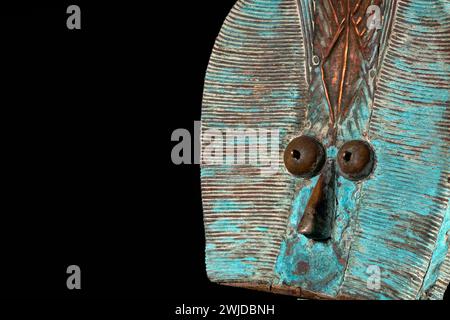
x: 318, y: 216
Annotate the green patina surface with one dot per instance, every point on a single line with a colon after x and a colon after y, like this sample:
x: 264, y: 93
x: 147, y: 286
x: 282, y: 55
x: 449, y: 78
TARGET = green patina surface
x: 398, y: 219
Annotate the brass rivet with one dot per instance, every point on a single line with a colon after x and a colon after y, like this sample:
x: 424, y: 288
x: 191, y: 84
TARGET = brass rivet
x: 315, y: 60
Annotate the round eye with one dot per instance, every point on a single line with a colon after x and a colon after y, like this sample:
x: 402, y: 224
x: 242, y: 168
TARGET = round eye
x: 304, y: 157
x: 355, y: 160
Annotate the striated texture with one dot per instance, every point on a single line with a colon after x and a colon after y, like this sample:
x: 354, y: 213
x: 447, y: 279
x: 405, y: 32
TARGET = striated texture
x: 400, y: 221
x: 255, y: 79
x: 389, y: 87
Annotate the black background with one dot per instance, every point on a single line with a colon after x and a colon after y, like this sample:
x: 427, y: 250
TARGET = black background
x: 87, y: 116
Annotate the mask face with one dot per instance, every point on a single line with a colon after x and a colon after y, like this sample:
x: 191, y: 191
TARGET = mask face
x: 325, y: 147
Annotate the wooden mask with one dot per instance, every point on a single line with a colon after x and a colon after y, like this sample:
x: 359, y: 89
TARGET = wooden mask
x: 356, y: 92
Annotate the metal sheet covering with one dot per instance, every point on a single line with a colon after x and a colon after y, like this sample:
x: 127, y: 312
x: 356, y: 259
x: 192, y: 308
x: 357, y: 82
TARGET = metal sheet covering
x: 262, y: 76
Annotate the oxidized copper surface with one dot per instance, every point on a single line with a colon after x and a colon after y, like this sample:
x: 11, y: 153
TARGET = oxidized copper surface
x: 368, y: 82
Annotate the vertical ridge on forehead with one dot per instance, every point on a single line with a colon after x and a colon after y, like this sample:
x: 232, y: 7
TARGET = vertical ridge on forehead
x: 404, y: 205
x: 255, y: 79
